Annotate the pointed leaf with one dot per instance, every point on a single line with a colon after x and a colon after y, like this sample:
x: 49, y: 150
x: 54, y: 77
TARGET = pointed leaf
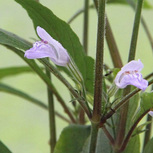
x: 10, y: 90
x: 11, y: 71
x: 61, y: 31
x: 103, y: 145
x: 3, y: 148
x: 72, y: 139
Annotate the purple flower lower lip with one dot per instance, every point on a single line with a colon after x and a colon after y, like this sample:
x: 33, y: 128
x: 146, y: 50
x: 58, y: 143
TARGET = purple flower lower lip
x: 48, y: 47
x: 130, y: 75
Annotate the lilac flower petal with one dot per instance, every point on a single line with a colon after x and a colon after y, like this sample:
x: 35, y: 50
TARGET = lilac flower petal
x: 132, y: 66
x: 45, y: 36
x: 62, y: 57
x: 130, y: 75
x: 48, y: 47
x: 133, y: 80
x: 150, y: 113
x: 39, y: 50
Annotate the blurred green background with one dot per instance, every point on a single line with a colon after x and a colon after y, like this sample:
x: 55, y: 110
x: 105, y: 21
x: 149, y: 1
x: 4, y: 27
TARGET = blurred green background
x: 24, y: 126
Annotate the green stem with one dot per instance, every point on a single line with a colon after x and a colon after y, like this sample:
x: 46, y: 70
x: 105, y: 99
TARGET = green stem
x: 148, y: 131
x: 122, y: 121
x: 132, y: 52
x: 135, y: 30
x: 77, y: 14
x: 143, y: 23
x: 111, y: 139
x: 93, y: 141
x: 52, y: 123
x: 99, y: 62
x: 52, y: 69
x: 85, y: 26
x: 147, y: 135
x: 120, y: 104
x: 114, y: 52
x: 125, y: 142
x: 40, y: 73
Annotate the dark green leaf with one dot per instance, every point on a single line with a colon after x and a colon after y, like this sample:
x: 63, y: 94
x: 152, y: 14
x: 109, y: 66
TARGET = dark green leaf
x: 13, y: 40
x: 10, y: 90
x: 146, y: 4
x: 3, y: 148
x: 149, y: 147
x: 11, y: 71
x: 103, y: 145
x: 133, y: 145
x: 61, y: 31
x: 72, y: 139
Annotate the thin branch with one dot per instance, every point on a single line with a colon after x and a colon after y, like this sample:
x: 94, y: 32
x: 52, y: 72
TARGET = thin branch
x: 131, y: 131
x: 52, y: 69
x: 120, y: 104
x: 111, y: 139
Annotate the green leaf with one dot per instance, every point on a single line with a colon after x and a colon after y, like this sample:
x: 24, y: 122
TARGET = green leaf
x: 10, y: 90
x: 3, y: 148
x: 103, y: 145
x: 146, y: 4
x: 72, y: 139
x: 11, y: 71
x: 146, y: 103
x: 61, y: 31
x: 133, y: 145
x: 13, y: 40
x: 149, y: 147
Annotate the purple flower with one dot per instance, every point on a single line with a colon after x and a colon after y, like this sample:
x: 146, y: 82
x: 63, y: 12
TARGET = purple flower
x: 130, y: 75
x: 48, y: 47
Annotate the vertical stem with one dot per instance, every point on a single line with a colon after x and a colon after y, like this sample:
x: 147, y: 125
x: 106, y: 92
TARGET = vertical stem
x: 144, y: 24
x: 93, y: 141
x: 99, y: 62
x: 122, y: 121
x: 148, y: 131
x: 123, y: 113
x: 135, y: 30
x: 52, y: 123
x: 98, y: 75
x: 85, y: 26
x: 114, y: 52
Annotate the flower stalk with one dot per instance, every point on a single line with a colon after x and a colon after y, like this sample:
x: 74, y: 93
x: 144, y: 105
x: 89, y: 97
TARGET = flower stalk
x: 99, y: 62
x: 132, y: 52
x: 52, y: 123
x: 98, y: 76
